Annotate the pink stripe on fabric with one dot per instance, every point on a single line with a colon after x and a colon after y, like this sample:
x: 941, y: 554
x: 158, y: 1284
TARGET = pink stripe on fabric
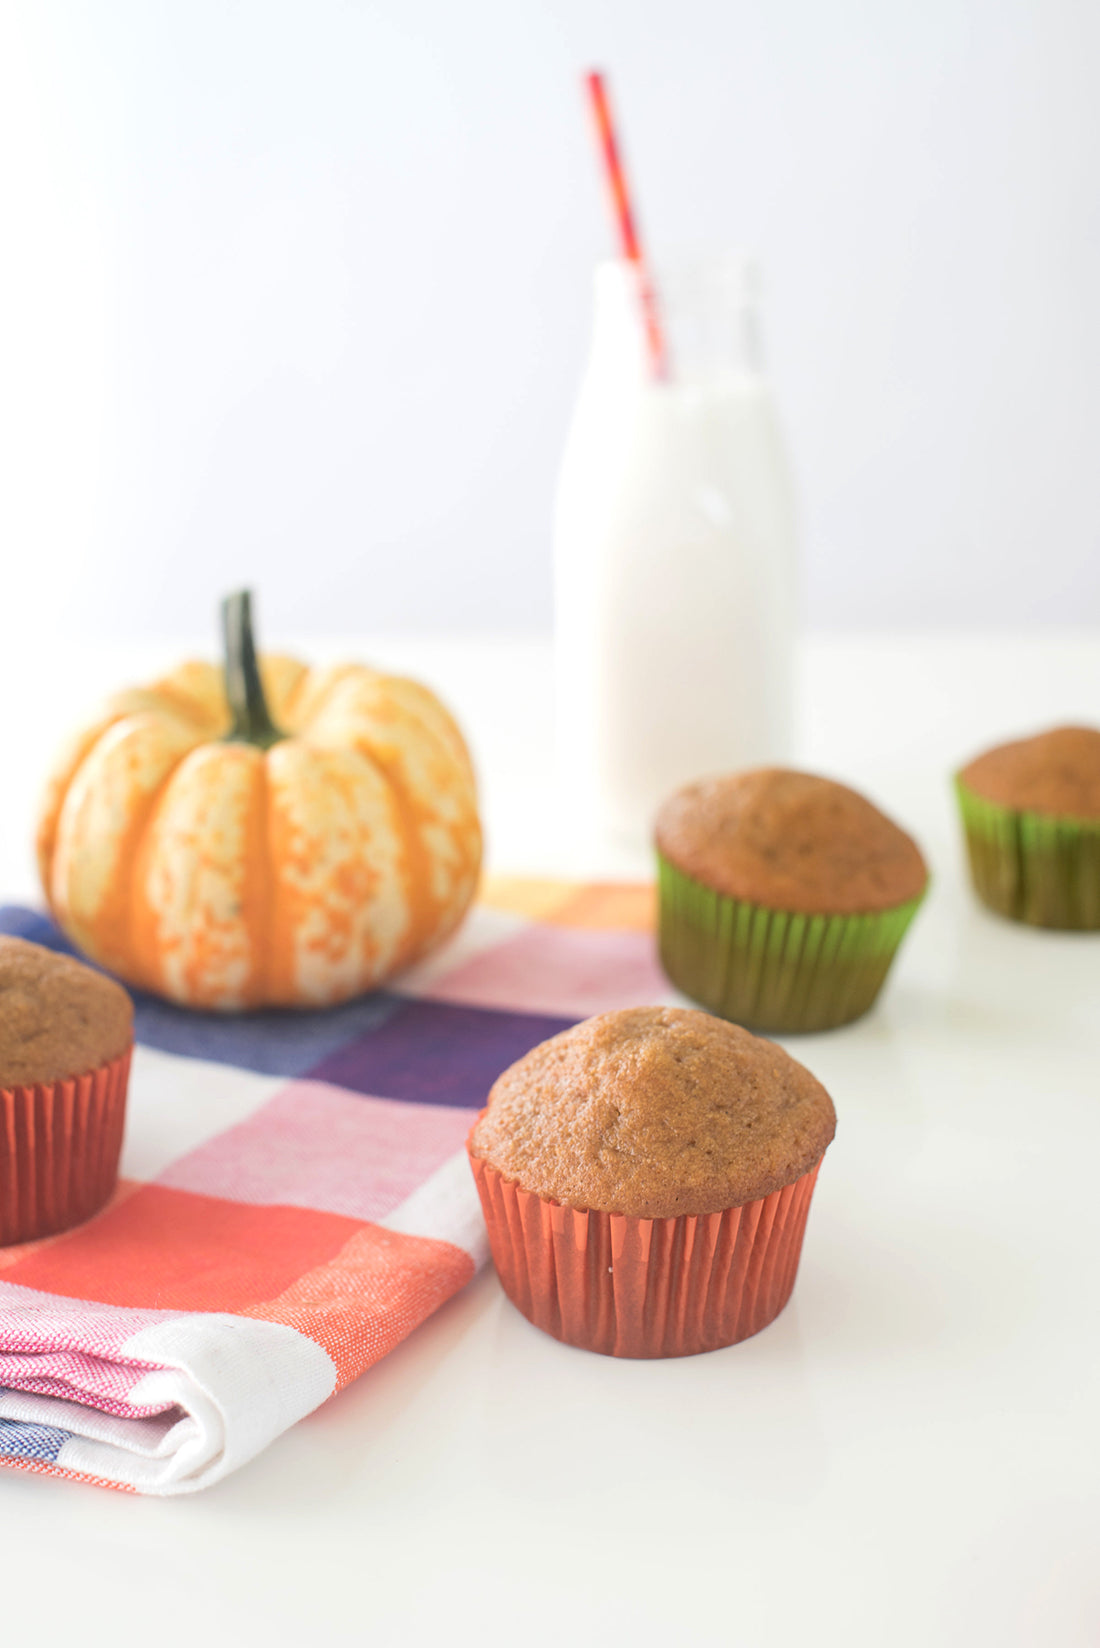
x: 69, y: 1348
x: 74, y: 1377
x: 572, y: 972
x: 320, y: 1147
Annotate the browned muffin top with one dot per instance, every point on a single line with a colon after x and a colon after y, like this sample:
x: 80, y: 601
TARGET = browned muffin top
x: 58, y: 1018
x: 790, y: 841
x: 1054, y: 772
x: 654, y: 1112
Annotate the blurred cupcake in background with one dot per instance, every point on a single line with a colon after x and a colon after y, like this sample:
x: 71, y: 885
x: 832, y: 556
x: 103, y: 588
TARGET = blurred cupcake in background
x: 1031, y: 815
x: 66, y: 1035
x: 645, y: 1178
x: 783, y: 898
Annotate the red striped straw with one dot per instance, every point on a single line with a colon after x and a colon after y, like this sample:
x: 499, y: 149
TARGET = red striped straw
x: 625, y: 221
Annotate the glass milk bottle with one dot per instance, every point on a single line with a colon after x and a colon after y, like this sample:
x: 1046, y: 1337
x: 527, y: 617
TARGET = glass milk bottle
x: 673, y: 553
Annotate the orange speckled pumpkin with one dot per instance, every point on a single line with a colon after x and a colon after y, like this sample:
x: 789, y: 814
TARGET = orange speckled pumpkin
x: 266, y: 835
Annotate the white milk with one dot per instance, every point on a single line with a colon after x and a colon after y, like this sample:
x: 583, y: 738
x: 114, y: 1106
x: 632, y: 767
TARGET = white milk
x: 674, y: 556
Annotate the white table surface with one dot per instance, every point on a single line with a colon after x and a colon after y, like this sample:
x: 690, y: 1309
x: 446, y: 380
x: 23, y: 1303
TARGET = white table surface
x: 908, y: 1456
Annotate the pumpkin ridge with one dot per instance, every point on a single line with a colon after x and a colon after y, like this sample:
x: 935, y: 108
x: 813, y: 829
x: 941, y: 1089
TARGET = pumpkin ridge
x: 261, y: 881
x: 320, y: 687
x: 180, y: 703
x: 195, y: 690
x: 285, y: 703
x: 432, y: 915
x: 416, y: 866
x: 415, y: 863
x: 335, y: 900
x: 440, y: 916
x: 434, y: 720
x: 437, y: 726
x: 129, y: 890
x: 279, y: 959
x: 195, y: 894
x: 58, y: 785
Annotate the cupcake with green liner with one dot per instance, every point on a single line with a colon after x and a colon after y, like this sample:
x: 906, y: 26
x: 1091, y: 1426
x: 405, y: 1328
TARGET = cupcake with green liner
x: 1031, y: 814
x: 783, y: 898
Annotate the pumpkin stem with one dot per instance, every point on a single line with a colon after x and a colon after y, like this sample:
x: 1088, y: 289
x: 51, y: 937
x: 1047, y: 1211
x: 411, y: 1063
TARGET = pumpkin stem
x: 252, y: 723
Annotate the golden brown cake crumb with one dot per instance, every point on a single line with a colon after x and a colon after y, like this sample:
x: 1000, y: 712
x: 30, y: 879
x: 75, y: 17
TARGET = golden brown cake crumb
x: 654, y: 1112
x: 790, y: 841
x: 1056, y: 772
x: 58, y: 1018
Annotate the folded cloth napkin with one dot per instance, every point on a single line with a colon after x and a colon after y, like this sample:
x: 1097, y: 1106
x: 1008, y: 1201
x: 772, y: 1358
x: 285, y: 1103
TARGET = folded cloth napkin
x: 294, y: 1199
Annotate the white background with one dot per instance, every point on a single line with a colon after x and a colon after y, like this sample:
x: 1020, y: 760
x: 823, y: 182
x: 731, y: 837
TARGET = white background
x: 298, y: 293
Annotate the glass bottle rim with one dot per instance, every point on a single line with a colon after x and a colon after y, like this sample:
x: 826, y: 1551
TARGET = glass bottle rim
x: 729, y: 276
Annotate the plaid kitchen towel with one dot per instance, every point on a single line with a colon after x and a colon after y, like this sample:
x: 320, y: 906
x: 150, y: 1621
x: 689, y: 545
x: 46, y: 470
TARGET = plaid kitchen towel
x: 295, y: 1196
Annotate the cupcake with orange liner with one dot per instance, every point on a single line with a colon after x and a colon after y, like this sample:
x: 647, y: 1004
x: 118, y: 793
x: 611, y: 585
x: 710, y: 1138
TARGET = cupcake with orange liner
x: 1031, y: 814
x: 645, y: 1178
x: 66, y: 1035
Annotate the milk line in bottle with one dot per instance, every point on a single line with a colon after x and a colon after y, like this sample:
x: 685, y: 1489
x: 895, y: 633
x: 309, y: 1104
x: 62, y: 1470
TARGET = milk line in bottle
x: 674, y: 554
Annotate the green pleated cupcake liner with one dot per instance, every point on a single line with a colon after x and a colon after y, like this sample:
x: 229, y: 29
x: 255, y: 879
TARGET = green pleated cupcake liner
x: 772, y: 969
x: 1033, y: 868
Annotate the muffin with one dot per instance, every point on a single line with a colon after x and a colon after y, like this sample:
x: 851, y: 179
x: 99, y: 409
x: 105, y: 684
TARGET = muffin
x: 645, y: 1178
x: 66, y: 1034
x: 783, y: 898
x: 1031, y: 816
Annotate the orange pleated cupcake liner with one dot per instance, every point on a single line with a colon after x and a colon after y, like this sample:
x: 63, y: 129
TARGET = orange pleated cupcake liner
x: 59, y: 1148
x: 645, y: 1287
